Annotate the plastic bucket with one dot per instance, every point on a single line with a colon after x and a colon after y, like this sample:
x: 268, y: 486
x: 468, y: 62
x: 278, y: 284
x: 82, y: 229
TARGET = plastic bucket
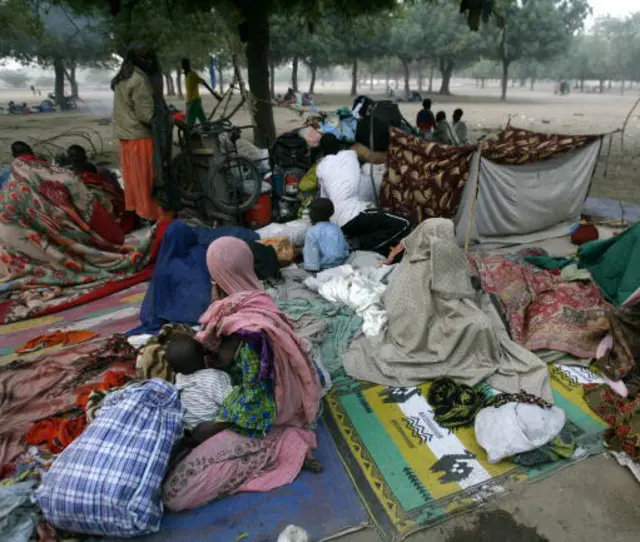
x: 260, y: 214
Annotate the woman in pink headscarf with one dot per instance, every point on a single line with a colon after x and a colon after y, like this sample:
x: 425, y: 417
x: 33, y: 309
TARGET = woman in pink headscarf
x: 261, y: 438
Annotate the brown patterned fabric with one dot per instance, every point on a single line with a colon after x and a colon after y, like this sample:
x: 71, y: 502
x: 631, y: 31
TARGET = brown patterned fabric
x: 151, y: 361
x: 516, y: 146
x: 623, y: 415
x: 620, y: 361
x: 424, y: 179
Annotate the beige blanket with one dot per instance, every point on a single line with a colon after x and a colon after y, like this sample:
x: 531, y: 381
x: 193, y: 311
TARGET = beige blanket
x: 440, y: 326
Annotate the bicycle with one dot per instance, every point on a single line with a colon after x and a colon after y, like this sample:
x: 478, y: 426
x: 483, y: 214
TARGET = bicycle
x: 216, y: 179
x: 212, y: 175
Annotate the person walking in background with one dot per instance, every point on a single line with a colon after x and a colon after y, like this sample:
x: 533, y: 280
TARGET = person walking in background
x: 133, y: 112
x: 460, y: 127
x: 425, y: 120
x: 192, y: 82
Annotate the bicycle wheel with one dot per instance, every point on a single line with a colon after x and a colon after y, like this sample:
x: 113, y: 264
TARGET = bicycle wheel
x: 234, y: 185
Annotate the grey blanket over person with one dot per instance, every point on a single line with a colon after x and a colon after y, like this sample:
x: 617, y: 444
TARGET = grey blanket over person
x: 439, y: 325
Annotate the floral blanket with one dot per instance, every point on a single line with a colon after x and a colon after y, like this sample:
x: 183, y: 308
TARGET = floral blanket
x: 33, y: 389
x: 58, y: 242
x: 543, y: 310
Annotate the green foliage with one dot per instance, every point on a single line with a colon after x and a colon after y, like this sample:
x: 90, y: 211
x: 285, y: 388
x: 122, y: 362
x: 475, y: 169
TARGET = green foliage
x: 41, y: 32
x: 536, y: 29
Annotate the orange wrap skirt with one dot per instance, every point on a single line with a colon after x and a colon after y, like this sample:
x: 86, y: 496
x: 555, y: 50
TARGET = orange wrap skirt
x: 138, y: 175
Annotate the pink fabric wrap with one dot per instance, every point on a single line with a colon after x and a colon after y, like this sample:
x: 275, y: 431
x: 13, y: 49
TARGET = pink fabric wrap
x: 230, y: 263
x: 297, y: 386
x: 248, y: 307
x: 229, y: 463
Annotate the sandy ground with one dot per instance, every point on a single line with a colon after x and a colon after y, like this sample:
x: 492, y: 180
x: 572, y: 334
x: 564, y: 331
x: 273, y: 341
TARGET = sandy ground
x: 593, y: 501
x: 540, y: 110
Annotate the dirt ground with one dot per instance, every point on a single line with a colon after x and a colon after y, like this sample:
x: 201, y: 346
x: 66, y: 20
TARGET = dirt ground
x: 484, y: 113
x: 592, y: 501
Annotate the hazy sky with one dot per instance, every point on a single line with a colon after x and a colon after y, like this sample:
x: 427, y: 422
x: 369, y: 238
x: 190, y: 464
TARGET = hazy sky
x: 613, y: 7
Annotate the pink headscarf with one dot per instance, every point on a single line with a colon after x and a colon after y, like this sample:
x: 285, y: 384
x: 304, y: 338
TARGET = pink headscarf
x: 248, y: 307
x: 230, y: 263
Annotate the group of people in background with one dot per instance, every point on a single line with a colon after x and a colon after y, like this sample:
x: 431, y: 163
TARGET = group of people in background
x: 438, y: 128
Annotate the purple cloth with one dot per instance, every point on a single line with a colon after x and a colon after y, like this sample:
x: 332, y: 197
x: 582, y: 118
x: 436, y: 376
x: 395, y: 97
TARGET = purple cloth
x: 259, y: 341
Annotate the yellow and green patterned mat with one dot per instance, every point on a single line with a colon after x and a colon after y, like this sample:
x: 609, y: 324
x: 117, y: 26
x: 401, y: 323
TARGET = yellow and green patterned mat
x: 412, y: 474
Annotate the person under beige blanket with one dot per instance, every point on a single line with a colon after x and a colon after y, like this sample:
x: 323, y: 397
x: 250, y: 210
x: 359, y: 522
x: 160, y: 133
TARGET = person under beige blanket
x: 439, y: 325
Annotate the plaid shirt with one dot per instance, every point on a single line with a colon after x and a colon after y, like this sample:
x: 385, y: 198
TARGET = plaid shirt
x: 109, y: 480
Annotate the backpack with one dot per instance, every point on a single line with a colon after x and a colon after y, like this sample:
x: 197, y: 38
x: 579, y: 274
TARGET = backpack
x: 290, y: 151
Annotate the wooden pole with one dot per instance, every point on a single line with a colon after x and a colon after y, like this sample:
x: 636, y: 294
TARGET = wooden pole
x: 474, y: 192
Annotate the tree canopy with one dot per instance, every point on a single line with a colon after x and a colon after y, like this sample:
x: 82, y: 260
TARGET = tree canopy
x: 528, y: 39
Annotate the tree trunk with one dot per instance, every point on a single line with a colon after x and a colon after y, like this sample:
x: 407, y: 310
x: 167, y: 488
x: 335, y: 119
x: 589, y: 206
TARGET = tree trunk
x: 523, y: 82
x: 354, y: 78
x: 257, y: 16
x: 313, y: 70
x: 505, y: 80
x: 582, y: 84
x: 446, y: 69
x: 179, y: 83
x: 371, y: 80
x: 407, y: 75
x: 397, y: 81
x: 533, y: 82
x: 58, y: 67
x: 169, y: 84
x: 505, y: 64
x: 272, y: 79
x: 610, y: 84
x: 220, y: 78
x: 482, y: 82
x: 420, y: 78
x: 386, y: 81
x: 622, y: 88
x: 73, y: 83
x: 294, y: 73
x: 431, y: 72
x: 601, y: 86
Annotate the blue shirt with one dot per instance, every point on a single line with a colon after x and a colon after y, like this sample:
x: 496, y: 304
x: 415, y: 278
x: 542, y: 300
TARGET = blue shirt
x: 324, y: 247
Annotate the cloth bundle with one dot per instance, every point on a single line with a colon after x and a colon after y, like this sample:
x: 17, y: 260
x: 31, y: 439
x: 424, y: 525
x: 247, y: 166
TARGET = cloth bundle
x: 108, y: 481
x: 19, y: 515
x: 454, y: 404
x: 357, y: 290
x: 514, y: 428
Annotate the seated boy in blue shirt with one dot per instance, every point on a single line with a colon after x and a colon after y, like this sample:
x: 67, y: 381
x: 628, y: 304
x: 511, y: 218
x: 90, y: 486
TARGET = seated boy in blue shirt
x: 324, y: 244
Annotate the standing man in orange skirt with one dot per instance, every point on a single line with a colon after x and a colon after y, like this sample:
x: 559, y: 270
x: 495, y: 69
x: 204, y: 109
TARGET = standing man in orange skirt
x: 133, y: 110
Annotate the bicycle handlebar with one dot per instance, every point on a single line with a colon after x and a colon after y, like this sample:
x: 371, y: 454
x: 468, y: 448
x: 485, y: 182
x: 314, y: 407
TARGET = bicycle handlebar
x: 216, y: 127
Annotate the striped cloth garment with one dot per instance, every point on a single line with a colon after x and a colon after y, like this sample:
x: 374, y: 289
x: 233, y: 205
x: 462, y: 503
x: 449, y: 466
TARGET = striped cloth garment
x: 202, y: 394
